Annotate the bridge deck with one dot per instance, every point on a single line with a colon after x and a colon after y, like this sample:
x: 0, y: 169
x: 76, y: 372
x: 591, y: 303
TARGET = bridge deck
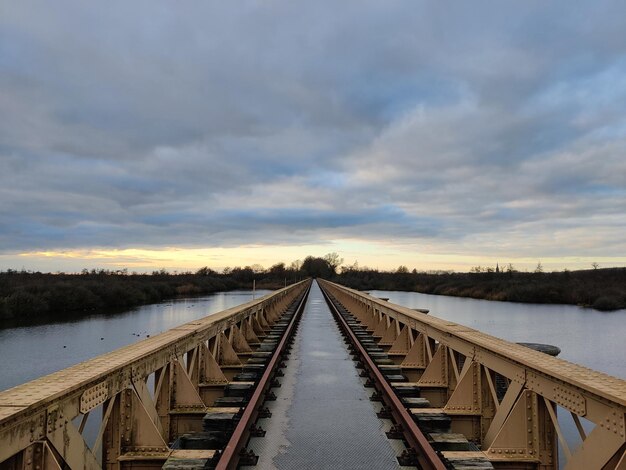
x: 322, y: 417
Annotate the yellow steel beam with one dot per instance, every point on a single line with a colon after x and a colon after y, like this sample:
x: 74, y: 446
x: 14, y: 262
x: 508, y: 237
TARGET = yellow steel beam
x: 584, y: 392
x: 43, y: 409
x: 470, y: 342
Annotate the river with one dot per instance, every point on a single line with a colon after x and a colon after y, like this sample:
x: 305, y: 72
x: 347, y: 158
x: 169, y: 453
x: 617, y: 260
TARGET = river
x: 32, y: 351
x: 588, y: 337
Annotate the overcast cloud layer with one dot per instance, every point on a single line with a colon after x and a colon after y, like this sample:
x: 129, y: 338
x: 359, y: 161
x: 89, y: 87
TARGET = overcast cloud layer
x: 483, y: 127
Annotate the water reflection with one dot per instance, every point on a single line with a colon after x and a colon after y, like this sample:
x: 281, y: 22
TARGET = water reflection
x: 33, y: 351
x: 586, y: 336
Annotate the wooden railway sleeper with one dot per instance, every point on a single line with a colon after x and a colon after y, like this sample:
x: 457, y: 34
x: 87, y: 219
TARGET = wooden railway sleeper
x: 366, y: 351
x: 235, y: 453
x: 235, y: 413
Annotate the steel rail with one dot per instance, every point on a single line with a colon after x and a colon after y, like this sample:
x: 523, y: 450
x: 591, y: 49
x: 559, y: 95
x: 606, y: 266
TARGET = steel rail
x: 230, y: 456
x: 426, y: 455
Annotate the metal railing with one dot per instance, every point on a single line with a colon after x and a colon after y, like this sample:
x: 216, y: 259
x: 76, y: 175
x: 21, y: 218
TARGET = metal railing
x: 42, y: 421
x: 458, y: 369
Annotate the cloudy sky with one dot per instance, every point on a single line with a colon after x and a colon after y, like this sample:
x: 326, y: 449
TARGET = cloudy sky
x: 183, y: 134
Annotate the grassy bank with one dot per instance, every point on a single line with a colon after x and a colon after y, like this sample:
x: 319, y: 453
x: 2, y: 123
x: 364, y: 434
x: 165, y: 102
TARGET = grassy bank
x: 27, y: 297
x: 602, y: 289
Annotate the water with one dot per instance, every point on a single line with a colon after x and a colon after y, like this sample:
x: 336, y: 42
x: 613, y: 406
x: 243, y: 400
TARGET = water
x: 32, y: 351
x: 585, y: 336
x: 588, y: 337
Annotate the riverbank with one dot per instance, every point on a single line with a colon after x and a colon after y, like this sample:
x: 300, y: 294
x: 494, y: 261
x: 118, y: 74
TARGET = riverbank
x: 601, y: 289
x: 34, y: 297
x: 27, y: 297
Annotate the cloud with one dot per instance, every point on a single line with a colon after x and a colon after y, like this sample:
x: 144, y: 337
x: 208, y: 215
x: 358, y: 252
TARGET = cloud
x: 488, y: 128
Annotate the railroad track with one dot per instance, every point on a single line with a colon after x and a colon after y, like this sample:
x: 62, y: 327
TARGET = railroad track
x: 231, y: 426
x: 231, y: 421
x: 425, y: 430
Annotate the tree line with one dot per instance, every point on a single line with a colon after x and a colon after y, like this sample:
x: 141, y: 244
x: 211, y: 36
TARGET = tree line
x: 602, y: 289
x: 27, y: 296
x: 33, y: 296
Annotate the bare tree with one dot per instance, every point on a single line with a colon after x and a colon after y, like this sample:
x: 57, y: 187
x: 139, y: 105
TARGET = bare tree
x: 257, y: 268
x: 295, y: 265
x: 333, y: 260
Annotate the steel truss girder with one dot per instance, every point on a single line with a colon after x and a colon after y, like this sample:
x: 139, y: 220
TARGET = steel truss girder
x: 539, y: 381
x: 37, y: 417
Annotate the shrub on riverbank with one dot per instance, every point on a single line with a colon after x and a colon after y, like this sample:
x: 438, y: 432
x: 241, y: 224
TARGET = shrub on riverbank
x: 602, y: 289
x: 27, y: 296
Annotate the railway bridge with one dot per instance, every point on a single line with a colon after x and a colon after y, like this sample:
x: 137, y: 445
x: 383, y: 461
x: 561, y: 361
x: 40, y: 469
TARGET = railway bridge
x: 316, y: 375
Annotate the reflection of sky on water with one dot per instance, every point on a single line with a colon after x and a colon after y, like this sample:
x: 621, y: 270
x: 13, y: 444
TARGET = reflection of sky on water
x: 586, y: 336
x: 32, y: 351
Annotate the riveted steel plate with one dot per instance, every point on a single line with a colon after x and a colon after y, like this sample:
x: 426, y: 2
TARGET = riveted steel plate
x: 94, y: 397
